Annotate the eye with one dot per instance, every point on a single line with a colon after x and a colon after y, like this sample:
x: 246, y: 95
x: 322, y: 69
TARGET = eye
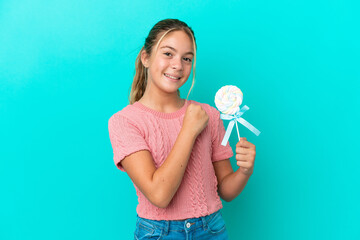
x: 167, y: 54
x: 188, y: 59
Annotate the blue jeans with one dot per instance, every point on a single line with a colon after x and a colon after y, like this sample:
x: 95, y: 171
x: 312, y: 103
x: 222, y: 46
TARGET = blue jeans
x: 209, y: 227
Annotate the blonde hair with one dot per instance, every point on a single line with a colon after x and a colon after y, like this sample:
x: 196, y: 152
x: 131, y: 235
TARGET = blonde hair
x: 138, y: 86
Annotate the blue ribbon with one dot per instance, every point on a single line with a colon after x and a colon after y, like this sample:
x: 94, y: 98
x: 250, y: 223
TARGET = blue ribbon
x: 237, y: 117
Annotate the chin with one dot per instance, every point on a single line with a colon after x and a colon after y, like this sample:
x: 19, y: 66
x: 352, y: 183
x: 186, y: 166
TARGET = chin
x: 171, y: 91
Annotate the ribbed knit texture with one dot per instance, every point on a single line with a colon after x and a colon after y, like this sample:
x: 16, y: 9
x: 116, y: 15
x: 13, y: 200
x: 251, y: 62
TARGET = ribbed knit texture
x: 137, y: 127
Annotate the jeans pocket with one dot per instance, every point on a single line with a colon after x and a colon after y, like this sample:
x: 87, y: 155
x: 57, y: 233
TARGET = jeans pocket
x: 216, y: 224
x: 146, y: 230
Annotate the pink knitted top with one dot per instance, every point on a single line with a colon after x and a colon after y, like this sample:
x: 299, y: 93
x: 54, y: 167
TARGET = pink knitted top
x: 137, y: 127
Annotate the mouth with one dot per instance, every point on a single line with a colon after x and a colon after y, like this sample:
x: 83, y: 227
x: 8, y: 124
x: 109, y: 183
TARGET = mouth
x: 172, y: 77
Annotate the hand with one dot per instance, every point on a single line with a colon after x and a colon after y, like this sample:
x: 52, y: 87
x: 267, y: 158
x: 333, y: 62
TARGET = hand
x: 245, y: 156
x: 195, y: 119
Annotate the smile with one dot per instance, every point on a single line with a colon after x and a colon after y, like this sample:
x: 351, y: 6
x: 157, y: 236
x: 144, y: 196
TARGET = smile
x: 169, y: 76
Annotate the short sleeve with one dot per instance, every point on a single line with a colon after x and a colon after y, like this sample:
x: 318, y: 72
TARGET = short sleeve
x: 219, y: 152
x: 125, y: 139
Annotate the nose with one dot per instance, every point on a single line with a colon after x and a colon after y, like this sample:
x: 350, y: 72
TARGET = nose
x: 176, y: 64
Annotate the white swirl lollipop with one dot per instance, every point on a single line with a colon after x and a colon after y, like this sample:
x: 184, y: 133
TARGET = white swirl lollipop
x: 228, y: 99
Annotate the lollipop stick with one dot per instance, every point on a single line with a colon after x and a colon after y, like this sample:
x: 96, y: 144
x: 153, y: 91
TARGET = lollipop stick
x: 237, y: 129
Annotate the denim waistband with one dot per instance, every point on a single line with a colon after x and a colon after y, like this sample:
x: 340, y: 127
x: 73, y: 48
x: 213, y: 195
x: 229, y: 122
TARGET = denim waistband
x: 168, y: 225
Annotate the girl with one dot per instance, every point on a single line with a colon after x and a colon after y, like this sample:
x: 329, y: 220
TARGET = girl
x: 171, y: 147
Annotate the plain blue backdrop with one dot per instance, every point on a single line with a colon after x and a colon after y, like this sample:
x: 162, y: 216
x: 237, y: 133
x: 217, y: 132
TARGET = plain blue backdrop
x: 67, y: 66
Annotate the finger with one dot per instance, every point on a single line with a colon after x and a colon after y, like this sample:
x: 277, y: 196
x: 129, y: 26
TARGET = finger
x: 247, y: 163
x: 243, y: 139
x: 244, y: 164
x: 240, y: 158
x: 246, y: 151
x: 245, y: 157
x: 244, y: 143
x: 241, y: 150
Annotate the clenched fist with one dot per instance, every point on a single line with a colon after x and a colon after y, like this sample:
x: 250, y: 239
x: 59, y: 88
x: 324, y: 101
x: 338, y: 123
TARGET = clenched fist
x: 245, y: 156
x: 195, y: 119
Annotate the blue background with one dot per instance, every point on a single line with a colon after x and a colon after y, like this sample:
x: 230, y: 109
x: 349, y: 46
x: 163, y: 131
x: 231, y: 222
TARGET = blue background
x: 67, y: 66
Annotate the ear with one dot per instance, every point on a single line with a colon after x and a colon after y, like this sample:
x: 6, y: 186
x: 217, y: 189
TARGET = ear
x: 145, y: 58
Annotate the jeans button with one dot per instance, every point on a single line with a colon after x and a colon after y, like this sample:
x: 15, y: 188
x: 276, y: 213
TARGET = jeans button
x: 188, y: 225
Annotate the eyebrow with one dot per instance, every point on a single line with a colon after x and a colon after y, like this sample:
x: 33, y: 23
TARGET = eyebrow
x: 175, y: 50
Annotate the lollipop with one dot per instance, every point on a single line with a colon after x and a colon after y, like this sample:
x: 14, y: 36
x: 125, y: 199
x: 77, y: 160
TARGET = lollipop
x: 228, y: 100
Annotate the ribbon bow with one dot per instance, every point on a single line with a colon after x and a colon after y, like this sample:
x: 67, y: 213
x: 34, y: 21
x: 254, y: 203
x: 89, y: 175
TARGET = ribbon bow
x: 234, y: 119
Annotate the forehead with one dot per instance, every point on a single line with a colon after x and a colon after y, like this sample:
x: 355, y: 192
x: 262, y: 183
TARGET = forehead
x: 178, y: 40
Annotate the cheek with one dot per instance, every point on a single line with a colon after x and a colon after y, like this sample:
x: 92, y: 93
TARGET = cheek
x: 161, y: 65
x: 157, y: 69
x: 188, y: 69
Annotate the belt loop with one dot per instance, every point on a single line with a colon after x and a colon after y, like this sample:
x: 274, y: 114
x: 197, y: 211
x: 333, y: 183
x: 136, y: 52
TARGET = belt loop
x: 204, y: 222
x: 166, y: 227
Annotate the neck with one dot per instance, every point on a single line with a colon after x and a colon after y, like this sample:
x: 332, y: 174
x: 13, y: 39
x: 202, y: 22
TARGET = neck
x: 162, y: 102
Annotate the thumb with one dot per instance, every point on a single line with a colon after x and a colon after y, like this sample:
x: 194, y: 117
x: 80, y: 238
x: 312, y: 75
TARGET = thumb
x: 242, y: 139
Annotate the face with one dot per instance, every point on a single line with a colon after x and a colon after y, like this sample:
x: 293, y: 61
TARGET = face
x: 170, y: 65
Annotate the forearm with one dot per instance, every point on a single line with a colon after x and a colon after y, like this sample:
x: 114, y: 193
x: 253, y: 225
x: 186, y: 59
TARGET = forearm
x: 167, y: 178
x: 232, y: 185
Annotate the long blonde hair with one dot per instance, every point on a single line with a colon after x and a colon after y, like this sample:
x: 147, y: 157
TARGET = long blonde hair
x: 164, y: 26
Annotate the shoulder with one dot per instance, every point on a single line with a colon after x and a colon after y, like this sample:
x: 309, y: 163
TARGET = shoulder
x: 125, y: 116
x: 119, y: 115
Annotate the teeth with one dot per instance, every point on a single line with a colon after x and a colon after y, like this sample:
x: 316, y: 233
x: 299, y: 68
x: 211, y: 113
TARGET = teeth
x: 171, y: 76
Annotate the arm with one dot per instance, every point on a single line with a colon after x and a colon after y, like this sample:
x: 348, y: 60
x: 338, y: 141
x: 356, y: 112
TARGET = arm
x: 230, y: 183
x: 160, y: 185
